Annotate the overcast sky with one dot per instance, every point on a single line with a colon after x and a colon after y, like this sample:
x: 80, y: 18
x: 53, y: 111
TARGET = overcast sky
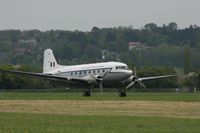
x: 84, y: 14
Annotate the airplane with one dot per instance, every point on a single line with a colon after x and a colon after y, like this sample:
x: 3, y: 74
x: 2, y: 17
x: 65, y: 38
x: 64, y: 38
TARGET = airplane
x: 89, y: 76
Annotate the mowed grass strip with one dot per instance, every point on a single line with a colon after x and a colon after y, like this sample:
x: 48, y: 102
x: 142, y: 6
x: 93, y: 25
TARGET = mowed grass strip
x: 44, y: 123
x: 109, y: 108
x: 188, y: 97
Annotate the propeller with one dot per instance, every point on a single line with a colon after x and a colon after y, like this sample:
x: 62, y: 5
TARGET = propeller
x: 130, y: 85
x: 99, y: 79
x: 101, y: 82
x: 135, y: 80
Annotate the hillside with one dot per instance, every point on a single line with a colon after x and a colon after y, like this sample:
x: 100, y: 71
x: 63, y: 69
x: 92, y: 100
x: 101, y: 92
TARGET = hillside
x: 151, y: 46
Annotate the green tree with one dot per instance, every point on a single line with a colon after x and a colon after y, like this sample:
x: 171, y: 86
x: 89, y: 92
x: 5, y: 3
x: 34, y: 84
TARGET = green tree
x: 172, y: 26
x: 150, y: 27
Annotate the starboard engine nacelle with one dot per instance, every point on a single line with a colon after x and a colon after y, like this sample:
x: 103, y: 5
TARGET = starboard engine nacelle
x: 130, y: 79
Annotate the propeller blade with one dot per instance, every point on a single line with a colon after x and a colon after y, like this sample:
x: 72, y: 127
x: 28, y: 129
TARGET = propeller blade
x: 131, y: 85
x: 101, y: 82
x: 101, y: 87
x: 141, y: 84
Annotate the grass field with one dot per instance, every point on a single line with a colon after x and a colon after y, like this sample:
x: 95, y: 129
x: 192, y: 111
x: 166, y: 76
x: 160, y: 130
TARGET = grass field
x: 102, y: 113
x: 42, y: 123
x: 188, y: 97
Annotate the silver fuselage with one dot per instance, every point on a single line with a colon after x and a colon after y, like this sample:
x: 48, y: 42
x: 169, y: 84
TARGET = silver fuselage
x: 115, y: 71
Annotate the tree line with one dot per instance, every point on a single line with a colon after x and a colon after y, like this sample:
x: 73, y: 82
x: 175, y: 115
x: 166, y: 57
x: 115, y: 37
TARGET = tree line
x: 167, y: 46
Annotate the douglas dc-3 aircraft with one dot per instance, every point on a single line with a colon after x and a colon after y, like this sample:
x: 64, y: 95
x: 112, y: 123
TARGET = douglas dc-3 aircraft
x: 88, y: 75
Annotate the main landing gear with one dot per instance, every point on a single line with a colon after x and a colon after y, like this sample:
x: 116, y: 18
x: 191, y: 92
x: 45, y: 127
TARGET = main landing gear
x: 87, y: 92
x: 122, y: 92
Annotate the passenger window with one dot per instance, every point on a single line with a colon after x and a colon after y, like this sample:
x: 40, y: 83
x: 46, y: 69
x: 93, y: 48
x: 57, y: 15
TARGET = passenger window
x: 103, y: 70
x: 84, y: 72
x: 93, y: 71
x: 71, y: 73
x: 89, y: 72
x: 98, y: 71
x: 116, y: 67
x: 80, y: 72
x: 75, y: 73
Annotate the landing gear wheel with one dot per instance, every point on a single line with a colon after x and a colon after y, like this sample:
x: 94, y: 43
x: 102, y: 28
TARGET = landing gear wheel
x: 86, y: 93
x: 122, y: 93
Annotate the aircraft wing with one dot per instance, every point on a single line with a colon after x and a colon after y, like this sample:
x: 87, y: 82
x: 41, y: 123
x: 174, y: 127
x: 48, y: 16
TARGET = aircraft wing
x: 46, y: 76
x: 157, y: 77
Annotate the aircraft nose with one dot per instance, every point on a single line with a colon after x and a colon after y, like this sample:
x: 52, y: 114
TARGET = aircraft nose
x: 129, y: 72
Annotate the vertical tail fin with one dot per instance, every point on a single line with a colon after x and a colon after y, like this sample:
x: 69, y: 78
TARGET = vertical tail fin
x: 49, y: 62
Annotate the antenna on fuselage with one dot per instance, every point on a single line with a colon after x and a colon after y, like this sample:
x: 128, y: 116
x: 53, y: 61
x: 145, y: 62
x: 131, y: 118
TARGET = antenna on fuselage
x: 117, y: 59
x: 135, y: 72
x: 103, y: 54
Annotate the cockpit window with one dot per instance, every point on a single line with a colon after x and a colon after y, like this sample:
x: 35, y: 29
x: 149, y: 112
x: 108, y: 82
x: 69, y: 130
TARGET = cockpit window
x: 121, y: 67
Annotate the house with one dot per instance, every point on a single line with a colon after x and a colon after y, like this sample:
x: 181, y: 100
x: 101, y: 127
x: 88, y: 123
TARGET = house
x: 137, y: 46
